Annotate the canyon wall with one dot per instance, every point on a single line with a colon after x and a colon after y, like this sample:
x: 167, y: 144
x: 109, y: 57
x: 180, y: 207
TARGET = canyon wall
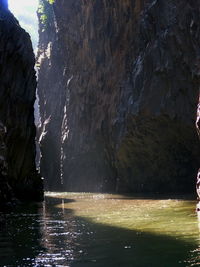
x: 118, y: 88
x: 18, y: 175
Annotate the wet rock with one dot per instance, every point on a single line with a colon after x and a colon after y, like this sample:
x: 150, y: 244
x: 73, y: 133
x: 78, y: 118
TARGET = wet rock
x: 198, y: 131
x: 118, y: 88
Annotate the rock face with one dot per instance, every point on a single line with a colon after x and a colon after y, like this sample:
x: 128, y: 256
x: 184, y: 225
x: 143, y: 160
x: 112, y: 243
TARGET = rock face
x: 118, y: 89
x: 18, y: 175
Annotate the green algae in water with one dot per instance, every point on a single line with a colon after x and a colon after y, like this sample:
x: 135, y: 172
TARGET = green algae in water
x: 170, y: 217
x: 83, y: 230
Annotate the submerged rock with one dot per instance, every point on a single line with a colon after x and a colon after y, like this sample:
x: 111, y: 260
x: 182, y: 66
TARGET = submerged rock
x: 18, y: 174
x: 118, y: 89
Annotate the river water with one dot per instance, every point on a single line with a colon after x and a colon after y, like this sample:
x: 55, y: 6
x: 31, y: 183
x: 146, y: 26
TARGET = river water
x: 101, y: 230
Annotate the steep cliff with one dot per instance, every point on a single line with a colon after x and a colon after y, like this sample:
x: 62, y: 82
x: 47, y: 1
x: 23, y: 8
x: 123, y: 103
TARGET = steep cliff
x: 18, y: 175
x: 118, y: 88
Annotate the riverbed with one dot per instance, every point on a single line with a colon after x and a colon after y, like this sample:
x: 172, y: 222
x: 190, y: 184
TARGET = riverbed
x: 101, y: 230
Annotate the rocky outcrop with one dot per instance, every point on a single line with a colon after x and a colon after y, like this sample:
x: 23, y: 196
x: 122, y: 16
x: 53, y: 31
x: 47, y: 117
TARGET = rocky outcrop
x: 198, y: 131
x: 18, y: 175
x: 118, y: 88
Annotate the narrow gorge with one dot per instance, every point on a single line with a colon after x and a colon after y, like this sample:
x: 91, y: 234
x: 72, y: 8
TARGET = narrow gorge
x: 114, y: 88
x: 118, y: 88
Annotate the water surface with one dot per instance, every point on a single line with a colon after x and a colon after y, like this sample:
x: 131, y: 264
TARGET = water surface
x: 104, y: 230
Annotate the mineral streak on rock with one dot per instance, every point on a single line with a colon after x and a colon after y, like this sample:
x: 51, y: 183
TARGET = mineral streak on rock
x: 118, y: 88
x: 198, y: 131
x: 18, y: 175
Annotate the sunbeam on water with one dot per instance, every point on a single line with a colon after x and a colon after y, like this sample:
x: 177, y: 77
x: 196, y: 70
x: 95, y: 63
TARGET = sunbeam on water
x: 83, y: 230
x: 25, y: 12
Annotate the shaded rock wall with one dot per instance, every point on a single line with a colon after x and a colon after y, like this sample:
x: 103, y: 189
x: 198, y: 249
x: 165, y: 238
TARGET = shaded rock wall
x: 118, y: 88
x: 18, y: 175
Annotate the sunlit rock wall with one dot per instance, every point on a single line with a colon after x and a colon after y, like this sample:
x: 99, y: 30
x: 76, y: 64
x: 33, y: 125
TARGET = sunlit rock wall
x: 118, y: 88
x: 18, y: 175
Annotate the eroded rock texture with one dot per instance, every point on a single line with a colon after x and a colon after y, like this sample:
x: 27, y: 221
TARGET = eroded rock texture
x: 118, y: 88
x: 18, y: 175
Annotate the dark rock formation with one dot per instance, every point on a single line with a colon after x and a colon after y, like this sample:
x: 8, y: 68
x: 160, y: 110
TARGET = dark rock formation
x: 118, y: 88
x: 18, y: 175
x: 198, y: 131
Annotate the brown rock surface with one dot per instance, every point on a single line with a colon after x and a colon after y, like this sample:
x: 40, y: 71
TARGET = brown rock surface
x: 118, y: 88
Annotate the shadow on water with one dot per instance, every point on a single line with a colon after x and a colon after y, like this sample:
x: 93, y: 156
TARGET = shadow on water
x: 19, y: 236
x: 53, y: 235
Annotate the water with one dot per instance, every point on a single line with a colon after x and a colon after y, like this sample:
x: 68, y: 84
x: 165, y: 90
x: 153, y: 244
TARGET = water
x: 101, y: 230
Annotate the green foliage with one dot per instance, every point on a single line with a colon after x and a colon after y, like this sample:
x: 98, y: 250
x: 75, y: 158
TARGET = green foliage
x: 45, y: 11
x: 43, y: 19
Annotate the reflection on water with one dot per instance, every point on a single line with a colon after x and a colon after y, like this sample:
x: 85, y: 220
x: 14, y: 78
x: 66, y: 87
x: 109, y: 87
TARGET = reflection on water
x: 101, y: 230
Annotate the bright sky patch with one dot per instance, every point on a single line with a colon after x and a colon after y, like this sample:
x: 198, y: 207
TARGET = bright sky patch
x: 25, y: 12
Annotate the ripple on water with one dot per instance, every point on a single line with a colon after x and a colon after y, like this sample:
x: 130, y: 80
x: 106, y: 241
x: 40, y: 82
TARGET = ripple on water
x: 86, y: 230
